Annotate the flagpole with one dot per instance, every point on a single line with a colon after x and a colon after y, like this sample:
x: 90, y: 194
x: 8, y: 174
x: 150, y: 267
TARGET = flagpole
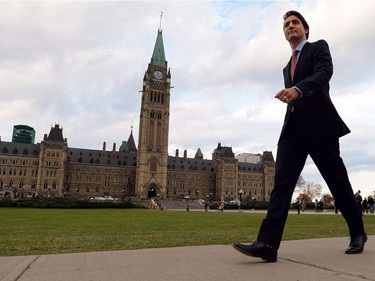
x: 161, y: 15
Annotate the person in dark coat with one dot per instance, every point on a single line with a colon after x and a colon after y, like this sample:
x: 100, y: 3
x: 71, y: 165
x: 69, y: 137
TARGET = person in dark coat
x: 364, y: 206
x: 371, y: 204
x: 312, y: 127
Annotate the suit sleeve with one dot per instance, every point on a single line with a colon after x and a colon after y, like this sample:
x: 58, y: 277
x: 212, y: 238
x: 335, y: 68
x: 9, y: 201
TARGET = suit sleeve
x: 317, y: 77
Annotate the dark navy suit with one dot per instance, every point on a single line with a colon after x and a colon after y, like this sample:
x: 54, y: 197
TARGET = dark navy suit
x: 312, y: 127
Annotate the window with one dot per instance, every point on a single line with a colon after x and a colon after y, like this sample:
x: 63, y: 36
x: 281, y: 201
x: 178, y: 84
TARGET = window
x: 153, y: 165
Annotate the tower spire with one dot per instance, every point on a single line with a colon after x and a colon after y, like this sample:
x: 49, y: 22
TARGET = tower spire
x: 158, y: 56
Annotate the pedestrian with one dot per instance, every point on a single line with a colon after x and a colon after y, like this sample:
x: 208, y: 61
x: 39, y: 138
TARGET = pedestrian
x: 298, y: 206
x: 221, y: 206
x: 312, y: 127
x: 320, y: 206
x: 365, y: 206
x: 358, y: 200
x: 371, y: 204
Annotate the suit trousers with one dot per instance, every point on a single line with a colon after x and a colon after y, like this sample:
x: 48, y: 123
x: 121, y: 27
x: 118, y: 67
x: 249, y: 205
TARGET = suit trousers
x: 291, y: 156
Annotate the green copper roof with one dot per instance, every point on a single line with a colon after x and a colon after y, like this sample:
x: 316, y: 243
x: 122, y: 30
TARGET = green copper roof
x: 158, y: 56
x: 199, y: 154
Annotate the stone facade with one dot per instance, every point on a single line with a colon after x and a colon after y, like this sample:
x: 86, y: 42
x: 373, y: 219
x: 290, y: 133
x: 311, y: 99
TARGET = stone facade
x: 51, y: 168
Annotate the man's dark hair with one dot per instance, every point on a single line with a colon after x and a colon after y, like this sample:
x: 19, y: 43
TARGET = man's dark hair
x: 301, y: 18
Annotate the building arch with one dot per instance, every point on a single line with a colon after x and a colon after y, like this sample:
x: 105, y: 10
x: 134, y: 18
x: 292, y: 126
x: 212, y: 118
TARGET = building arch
x: 151, y: 193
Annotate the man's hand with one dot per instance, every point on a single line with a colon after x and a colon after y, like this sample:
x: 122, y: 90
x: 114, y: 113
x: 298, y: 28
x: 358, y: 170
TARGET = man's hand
x: 287, y: 95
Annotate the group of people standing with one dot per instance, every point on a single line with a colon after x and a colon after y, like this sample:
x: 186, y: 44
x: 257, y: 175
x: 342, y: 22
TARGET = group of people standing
x: 365, y: 204
x: 319, y: 205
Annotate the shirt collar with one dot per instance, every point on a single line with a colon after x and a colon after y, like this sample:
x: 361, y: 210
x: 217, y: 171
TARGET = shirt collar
x: 300, y: 46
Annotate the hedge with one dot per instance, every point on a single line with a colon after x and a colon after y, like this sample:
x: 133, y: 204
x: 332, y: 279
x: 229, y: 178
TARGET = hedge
x: 64, y: 203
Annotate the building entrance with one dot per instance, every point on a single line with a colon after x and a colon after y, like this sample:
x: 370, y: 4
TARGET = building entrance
x: 151, y: 192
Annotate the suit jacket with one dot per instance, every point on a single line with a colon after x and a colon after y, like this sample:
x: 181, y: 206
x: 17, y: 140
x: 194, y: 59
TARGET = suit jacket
x: 313, y: 116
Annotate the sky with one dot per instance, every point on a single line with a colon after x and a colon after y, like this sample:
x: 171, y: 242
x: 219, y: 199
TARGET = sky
x: 81, y: 65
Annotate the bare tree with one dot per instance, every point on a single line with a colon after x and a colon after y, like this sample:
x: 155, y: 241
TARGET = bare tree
x: 301, y: 182
x: 311, y: 189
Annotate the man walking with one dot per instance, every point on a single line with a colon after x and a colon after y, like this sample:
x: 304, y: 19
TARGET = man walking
x: 312, y: 127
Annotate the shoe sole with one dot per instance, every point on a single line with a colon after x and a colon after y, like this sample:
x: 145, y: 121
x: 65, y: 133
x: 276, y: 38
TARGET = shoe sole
x: 353, y: 253
x: 265, y: 258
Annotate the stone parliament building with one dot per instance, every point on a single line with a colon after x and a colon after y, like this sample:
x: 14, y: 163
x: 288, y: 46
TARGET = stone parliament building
x: 52, y: 169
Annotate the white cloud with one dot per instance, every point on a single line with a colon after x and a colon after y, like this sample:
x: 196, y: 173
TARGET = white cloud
x: 81, y: 64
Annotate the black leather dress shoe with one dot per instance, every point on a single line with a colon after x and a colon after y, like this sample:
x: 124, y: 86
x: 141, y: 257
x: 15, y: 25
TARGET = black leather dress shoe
x: 356, y: 244
x: 258, y: 249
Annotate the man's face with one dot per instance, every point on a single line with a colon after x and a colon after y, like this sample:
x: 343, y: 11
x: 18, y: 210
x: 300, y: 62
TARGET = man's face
x: 294, y: 30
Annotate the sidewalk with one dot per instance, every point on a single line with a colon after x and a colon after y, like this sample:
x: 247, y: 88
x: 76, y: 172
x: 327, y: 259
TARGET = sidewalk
x: 305, y: 260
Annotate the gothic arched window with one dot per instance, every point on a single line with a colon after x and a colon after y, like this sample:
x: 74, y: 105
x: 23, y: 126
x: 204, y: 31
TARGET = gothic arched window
x: 153, y: 165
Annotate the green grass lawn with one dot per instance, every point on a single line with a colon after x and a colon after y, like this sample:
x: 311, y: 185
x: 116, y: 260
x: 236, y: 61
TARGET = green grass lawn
x: 55, y: 231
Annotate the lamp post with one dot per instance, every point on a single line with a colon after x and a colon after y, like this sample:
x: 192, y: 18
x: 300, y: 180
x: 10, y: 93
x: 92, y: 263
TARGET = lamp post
x: 240, y: 192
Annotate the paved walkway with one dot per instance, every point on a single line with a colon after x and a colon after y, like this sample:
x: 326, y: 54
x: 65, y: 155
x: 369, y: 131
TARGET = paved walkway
x: 304, y: 260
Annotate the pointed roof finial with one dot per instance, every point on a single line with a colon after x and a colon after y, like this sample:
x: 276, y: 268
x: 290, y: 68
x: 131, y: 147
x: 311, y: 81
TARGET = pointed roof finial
x: 161, y: 16
x: 158, y: 55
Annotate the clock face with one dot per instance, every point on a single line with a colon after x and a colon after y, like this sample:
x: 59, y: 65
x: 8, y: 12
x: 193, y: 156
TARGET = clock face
x: 158, y: 75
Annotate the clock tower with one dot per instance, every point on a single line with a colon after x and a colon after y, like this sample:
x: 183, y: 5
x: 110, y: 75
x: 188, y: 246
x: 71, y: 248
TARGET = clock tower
x: 152, y: 155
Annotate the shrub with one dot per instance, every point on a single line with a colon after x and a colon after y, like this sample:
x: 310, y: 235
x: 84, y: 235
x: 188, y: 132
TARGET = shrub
x: 64, y: 203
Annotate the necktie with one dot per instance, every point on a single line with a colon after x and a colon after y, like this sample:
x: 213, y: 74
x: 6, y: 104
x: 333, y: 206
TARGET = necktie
x: 293, y: 64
